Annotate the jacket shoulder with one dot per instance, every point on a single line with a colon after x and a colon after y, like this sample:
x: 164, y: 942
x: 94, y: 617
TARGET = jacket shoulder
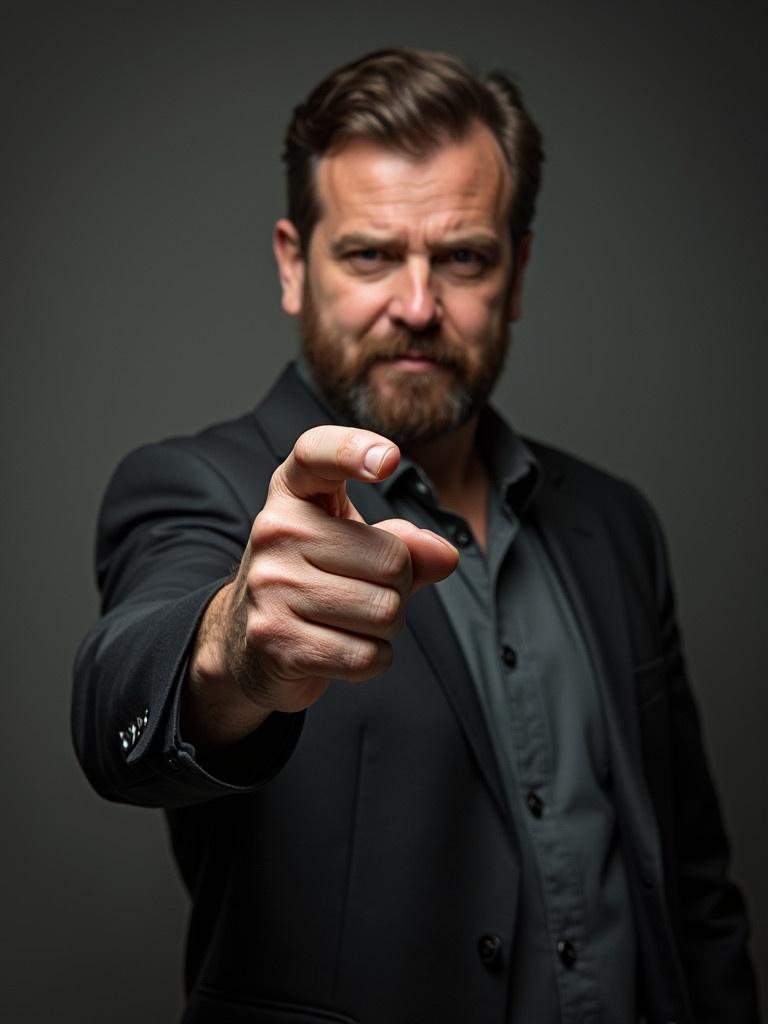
x: 243, y: 451
x: 231, y: 443
x: 581, y: 474
x: 233, y: 455
x: 621, y: 505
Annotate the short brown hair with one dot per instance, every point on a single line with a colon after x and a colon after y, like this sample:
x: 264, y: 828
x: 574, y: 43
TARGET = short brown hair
x: 411, y: 101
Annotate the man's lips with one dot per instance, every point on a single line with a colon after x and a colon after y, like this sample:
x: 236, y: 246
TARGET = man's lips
x: 411, y: 362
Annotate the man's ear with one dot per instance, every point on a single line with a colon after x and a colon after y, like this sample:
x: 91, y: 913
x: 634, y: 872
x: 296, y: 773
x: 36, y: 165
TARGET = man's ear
x: 521, y: 256
x: 286, y: 246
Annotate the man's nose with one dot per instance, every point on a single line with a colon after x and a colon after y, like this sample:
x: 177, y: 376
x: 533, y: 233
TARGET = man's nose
x: 415, y: 303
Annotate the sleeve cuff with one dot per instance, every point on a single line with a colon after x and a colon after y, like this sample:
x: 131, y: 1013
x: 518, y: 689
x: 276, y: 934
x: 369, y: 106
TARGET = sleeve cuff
x: 239, y: 769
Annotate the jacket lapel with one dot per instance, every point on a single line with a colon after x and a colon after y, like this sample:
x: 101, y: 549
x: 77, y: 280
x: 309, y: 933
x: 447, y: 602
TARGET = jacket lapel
x: 433, y: 633
x: 580, y: 549
x: 578, y: 543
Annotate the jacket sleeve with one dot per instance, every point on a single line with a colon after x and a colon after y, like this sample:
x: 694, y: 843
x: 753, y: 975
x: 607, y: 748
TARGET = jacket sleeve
x: 170, y: 534
x: 708, y: 909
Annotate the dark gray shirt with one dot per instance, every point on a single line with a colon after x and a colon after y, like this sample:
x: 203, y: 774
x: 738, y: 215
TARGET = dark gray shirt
x: 574, y: 954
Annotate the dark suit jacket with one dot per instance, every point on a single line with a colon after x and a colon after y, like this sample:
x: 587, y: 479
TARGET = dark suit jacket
x: 345, y: 864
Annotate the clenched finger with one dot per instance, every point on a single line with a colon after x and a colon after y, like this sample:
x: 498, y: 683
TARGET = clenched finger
x: 354, y: 606
x: 432, y: 557
x: 358, y: 551
x: 307, y: 650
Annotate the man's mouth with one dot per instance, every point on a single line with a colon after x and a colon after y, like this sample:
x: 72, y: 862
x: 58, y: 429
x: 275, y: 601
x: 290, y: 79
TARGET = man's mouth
x: 411, y: 362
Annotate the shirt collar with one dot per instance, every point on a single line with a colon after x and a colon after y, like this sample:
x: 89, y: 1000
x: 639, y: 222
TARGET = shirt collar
x: 513, y: 468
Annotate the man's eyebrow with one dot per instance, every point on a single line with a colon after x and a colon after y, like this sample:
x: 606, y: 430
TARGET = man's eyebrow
x: 357, y: 240
x: 489, y: 245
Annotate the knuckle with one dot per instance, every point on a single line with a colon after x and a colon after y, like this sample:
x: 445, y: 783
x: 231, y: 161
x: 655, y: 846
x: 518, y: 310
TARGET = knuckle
x: 394, y: 560
x: 271, y: 589
x: 261, y: 576
x: 277, y: 488
x: 255, y: 578
x: 306, y: 447
x: 268, y: 641
x: 304, y: 660
x: 312, y: 444
x: 362, y: 658
x: 384, y: 608
x: 259, y: 631
x: 268, y: 527
x: 348, y: 447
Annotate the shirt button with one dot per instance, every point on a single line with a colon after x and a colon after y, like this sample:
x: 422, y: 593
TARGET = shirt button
x: 509, y: 656
x: 489, y: 947
x: 462, y: 536
x: 535, y: 804
x: 567, y: 953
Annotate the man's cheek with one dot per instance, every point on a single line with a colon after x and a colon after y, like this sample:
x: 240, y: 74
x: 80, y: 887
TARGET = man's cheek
x: 472, y: 328
x: 485, y: 322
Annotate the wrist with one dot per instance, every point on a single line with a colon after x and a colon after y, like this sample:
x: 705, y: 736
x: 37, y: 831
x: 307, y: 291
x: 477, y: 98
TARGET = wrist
x: 208, y: 661
x: 215, y: 712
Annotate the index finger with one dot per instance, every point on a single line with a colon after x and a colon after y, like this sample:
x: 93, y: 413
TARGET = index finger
x: 324, y: 457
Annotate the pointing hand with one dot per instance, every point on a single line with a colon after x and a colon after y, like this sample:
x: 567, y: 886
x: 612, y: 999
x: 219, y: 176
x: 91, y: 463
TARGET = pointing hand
x: 319, y: 594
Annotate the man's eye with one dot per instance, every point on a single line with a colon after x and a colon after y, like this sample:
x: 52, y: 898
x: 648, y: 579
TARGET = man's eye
x: 367, y: 259
x: 464, y: 262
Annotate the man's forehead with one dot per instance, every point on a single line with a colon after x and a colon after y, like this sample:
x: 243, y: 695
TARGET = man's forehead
x: 467, y: 178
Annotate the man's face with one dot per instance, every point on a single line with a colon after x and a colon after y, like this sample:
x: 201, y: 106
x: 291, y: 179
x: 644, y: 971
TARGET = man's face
x: 408, y: 288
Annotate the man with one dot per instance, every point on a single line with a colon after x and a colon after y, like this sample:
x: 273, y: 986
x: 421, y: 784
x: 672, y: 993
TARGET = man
x: 484, y: 800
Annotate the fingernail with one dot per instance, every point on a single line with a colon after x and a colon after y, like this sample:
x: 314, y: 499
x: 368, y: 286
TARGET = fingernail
x: 443, y: 541
x: 374, y: 458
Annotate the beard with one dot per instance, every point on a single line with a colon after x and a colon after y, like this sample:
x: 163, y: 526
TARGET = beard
x: 358, y: 379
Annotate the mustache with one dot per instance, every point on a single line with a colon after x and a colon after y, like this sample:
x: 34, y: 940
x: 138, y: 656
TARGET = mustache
x: 398, y: 345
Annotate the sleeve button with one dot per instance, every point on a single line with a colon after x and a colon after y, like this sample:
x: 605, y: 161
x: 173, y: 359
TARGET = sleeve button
x: 489, y: 947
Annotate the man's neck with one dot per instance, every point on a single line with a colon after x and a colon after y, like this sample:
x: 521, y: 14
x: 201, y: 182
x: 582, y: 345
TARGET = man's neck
x: 454, y: 466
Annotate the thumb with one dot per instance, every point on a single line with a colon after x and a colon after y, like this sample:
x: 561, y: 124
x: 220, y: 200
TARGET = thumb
x: 432, y: 557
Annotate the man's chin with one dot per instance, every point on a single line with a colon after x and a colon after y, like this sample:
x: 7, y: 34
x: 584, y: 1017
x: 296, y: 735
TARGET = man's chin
x: 408, y: 408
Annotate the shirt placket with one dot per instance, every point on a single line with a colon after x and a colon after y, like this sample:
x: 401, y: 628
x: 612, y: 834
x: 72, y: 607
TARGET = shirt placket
x: 533, y: 775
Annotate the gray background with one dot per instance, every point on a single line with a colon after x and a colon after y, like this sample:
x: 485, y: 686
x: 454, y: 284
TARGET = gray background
x: 141, y: 183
